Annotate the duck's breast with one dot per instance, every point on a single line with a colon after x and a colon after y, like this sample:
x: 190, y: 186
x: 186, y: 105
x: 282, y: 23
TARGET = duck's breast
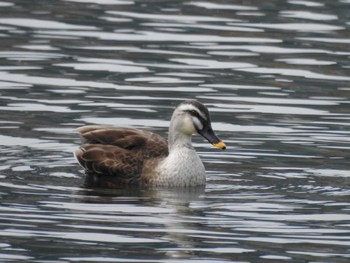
x: 180, y: 168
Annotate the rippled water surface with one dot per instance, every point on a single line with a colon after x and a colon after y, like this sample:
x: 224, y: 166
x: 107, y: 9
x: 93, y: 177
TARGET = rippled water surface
x: 275, y: 76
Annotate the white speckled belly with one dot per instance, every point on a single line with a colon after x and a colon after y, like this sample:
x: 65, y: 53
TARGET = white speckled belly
x: 182, y: 167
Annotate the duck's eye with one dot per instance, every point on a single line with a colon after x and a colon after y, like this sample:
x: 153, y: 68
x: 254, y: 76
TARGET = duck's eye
x: 193, y: 112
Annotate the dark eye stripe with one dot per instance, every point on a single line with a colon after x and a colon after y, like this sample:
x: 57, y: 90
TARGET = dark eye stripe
x: 199, y: 117
x: 194, y: 113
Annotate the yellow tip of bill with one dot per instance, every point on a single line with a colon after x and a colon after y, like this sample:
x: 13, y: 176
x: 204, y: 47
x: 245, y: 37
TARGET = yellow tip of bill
x: 220, y: 145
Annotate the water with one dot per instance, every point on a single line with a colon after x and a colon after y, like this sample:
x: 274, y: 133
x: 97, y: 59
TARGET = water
x: 274, y: 75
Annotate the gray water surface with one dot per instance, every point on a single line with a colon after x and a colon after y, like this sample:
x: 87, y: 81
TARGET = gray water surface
x: 275, y: 77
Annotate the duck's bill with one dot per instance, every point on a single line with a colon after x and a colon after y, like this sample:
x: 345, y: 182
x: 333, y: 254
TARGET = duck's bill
x: 212, y: 138
x: 220, y: 145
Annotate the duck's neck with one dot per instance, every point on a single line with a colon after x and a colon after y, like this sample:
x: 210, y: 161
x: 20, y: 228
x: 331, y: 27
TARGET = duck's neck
x: 178, y: 140
x: 180, y: 133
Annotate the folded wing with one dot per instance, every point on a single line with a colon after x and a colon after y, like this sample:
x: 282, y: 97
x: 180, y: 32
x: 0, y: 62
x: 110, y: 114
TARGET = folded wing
x: 118, y: 152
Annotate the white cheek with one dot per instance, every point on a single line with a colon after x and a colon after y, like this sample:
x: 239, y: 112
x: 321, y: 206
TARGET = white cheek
x: 197, y: 123
x: 188, y: 127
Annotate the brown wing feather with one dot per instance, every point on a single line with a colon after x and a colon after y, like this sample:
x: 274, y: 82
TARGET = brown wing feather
x: 104, y: 135
x: 126, y: 138
x: 118, y: 152
x: 109, y: 160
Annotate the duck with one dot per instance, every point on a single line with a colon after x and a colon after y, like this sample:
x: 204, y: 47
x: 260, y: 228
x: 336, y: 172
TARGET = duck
x: 113, y: 157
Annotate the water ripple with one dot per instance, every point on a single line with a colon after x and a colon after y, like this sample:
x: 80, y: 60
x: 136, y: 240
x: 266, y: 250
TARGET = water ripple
x: 41, y: 24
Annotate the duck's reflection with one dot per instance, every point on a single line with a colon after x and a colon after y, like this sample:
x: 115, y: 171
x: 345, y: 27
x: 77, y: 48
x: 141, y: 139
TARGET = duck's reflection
x: 170, y: 216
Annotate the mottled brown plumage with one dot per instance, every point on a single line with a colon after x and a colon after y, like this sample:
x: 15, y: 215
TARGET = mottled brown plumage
x: 113, y: 156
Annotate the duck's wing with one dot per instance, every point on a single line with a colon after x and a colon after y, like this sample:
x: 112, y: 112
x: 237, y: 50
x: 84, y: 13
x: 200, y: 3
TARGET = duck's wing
x: 130, y: 139
x: 118, y: 152
x: 103, y: 161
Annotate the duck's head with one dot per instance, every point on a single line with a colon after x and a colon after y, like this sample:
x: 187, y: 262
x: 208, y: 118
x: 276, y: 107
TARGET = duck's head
x: 191, y: 117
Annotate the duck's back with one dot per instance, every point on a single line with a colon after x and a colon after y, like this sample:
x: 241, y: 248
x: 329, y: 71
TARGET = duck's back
x: 113, y: 156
